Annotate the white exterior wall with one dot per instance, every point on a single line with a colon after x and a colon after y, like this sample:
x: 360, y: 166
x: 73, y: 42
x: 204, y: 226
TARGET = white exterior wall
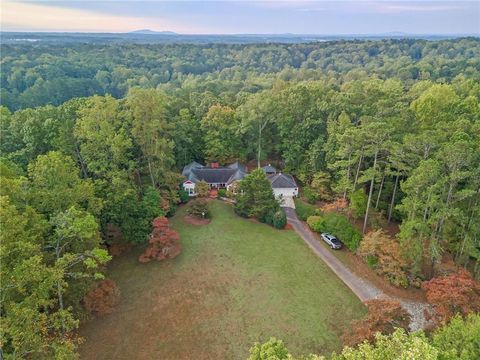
x: 284, y: 192
x: 190, y: 188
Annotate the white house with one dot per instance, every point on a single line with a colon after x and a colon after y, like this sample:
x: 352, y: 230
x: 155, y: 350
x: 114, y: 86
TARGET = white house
x: 283, y: 185
x: 215, y: 176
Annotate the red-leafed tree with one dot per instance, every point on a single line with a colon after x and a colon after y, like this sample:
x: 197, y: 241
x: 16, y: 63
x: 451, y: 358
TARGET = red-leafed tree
x: 384, y: 315
x: 164, y: 242
x: 457, y: 293
x: 102, y: 298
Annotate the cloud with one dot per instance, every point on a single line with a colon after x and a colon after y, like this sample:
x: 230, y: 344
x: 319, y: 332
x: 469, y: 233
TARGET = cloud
x: 374, y: 7
x: 16, y: 16
x: 414, y: 7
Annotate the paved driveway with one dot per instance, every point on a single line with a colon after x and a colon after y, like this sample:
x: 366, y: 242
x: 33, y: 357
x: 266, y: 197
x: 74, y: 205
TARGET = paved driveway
x: 287, y: 202
x: 363, y: 289
x: 360, y: 287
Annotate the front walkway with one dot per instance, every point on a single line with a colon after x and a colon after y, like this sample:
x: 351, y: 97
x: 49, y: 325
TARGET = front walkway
x: 360, y: 287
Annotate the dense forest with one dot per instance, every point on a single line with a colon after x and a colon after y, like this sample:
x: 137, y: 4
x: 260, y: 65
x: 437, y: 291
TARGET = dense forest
x: 40, y: 74
x: 93, y: 138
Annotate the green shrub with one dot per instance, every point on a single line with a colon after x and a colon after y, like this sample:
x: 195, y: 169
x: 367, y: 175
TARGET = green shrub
x: 316, y: 223
x: 310, y: 195
x: 371, y: 261
x: 222, y: 193
x: 271, y: 350
x: 337, y: 225
x: 202, y: 189
x: 398, y: 280
x: 267, y: 218
x: 358, y: 203
x: 304, y: 210
x: 279, y: 219
x: 183, y: 195
x: 199, y: 208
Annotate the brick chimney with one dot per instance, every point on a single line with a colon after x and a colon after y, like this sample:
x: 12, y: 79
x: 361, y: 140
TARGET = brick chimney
x: 214, y: 164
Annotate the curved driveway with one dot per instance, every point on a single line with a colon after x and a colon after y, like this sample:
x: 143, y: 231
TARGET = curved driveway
x: 363, y: 289
x: 360, y: 287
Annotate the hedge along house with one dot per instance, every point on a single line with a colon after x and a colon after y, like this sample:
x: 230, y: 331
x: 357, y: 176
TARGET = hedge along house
x: 215, y: 176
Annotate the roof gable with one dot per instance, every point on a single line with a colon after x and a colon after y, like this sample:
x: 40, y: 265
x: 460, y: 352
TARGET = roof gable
x: 282, y: 181
x: 188, y: 168
x: 269, y: 169
x: 237, y: 166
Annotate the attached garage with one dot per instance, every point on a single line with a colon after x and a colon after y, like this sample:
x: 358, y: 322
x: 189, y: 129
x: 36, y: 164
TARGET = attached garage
x: 283, y: 185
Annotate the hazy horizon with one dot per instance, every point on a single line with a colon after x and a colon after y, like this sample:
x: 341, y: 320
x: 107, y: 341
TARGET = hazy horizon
x: 168, y: 32
x: 263, y: 17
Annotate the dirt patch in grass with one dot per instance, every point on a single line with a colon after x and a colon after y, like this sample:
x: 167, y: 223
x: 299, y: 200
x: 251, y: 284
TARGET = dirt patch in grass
x: 194, y: 220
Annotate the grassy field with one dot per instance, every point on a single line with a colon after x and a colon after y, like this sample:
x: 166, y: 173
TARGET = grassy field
x: 236, y: 282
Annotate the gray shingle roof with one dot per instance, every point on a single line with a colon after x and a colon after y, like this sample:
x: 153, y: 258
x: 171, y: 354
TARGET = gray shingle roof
x: 237, y: 166
x: 269, y: 169
x: 188, y: 168
x: 217, y: 175
x: 282, y: 181
x: 224, y: 175
x: 237, y: 175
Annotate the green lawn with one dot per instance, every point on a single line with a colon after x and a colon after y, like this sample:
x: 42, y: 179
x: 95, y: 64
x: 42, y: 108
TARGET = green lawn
x: 236, y: 282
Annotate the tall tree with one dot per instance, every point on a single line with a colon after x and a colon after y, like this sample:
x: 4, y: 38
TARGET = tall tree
x: 55, y: 185
x: 221, y: 133
x: 105, y: 143
x: 257, y: 113
x: 151, y: 131
x: 33, y: 324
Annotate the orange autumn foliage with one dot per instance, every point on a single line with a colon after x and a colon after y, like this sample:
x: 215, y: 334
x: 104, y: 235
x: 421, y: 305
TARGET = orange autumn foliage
x: 102, y: 298
x: 457, y: 293
x: 384, y: 315
x: 383, y: 253
x: 164, y: 242
x: 338, y: 205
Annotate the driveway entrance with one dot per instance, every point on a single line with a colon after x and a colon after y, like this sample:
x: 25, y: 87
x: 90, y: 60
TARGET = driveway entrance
x: 287, y: 201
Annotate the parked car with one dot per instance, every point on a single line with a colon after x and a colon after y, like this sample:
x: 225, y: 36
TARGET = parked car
x: 332, y: 241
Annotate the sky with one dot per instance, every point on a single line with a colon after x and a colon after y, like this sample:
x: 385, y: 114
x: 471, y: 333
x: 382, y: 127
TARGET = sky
x: 243, y: 17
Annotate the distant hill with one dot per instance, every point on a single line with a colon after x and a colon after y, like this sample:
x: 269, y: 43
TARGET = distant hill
x: 146, y: 36
x: 152, y: 32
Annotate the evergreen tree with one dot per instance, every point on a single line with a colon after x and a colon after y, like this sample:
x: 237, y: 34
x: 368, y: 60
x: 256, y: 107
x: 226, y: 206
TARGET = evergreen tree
x: 255, y: 197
